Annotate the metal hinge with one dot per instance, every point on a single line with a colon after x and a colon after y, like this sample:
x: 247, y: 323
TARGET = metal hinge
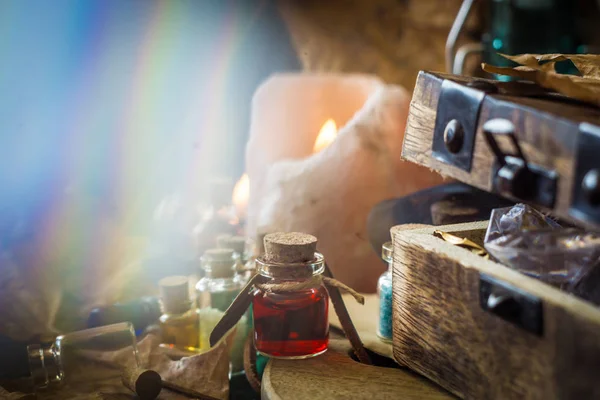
x: 512, y: 175
x: 456, y: 121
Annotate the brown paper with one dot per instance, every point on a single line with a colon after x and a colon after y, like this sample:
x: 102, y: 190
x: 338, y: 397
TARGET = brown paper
x: 585, y: 87
x: 205, y: 375
x: 202, y: 376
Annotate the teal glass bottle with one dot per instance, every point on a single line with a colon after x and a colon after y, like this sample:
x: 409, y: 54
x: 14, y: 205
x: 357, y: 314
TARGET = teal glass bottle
x: 530, y: 26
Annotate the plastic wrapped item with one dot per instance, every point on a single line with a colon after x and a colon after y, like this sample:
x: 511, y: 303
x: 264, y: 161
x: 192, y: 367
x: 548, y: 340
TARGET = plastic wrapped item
x: 520, y: 217
x: 524, y: 239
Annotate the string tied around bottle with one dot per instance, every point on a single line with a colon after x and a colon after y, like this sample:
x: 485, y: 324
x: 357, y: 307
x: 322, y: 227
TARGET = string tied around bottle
x: 309, y: 284
x: 257, y: 281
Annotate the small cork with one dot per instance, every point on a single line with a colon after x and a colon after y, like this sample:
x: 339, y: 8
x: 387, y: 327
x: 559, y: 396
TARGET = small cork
x: 222, y: 241
x: 175, y: 293
x: 225, y: 254
x: 146, y: 383
x: 292, y: 247
x: 237, y: 243
x: 219, y: 263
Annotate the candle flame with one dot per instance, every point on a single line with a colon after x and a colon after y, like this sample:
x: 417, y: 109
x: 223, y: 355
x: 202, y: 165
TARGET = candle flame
x: 241, y: 193
x: 326, y: 135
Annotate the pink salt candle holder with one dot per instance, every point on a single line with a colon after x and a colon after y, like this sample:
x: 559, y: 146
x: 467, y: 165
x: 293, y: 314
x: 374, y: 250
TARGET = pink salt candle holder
x: 329, y: 193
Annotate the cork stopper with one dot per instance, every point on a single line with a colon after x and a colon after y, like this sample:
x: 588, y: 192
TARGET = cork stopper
x: 146, y: 383
x: 175, y: 294
x: 237, y: 243
x: 219, y: 263
x: 222, y: 240
x: 292, y: 247
x: 387, y: 251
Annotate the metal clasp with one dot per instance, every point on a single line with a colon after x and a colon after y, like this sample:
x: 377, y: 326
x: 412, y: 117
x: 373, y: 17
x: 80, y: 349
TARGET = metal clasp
x: 585, y: 197
x: 511, y: 304
x: 512, y: 175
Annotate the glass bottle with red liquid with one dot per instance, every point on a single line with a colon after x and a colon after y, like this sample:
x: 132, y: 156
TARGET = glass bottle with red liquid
x: 290, y: 309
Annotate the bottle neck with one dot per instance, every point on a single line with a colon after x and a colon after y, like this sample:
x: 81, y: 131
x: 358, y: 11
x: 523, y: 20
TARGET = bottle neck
x: 389, y: 266
x: 220, y: 269
x: 291, y: 271
x: 44, y: 365
x: 176, y: 307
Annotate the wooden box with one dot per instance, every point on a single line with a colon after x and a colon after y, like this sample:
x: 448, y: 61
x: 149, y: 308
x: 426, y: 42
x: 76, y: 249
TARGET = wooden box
x: 543, y: 343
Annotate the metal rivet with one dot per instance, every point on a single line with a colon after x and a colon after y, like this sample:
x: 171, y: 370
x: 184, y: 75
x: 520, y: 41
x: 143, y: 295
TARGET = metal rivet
x: 454, y: 136
x: 591, y: 186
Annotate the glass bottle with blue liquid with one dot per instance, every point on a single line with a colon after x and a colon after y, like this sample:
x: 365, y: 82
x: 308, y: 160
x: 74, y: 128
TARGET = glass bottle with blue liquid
x: 384, y: 289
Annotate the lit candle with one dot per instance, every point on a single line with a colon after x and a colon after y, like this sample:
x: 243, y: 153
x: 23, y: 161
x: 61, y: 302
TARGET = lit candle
x: 241, y: 192
x: 326, y: 136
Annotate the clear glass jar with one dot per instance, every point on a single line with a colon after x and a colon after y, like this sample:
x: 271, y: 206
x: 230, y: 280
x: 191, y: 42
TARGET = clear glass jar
x: 384, y: 290
x: 180, y: 319
x: 215, y: 293
x: 291, y: 310
x: 108, y: 349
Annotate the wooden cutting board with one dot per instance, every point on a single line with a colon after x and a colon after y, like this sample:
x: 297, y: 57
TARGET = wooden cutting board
x: 335, y: 375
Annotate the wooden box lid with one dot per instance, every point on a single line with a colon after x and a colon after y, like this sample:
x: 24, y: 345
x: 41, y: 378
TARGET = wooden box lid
x: 558, y: 138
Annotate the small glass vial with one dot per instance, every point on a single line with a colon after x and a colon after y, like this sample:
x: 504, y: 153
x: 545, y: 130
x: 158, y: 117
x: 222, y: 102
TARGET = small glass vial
x: 214, y: 293
x: 291, y: 310
x: 384, y: 289
x: 180, y: 319
x: 239, y: 245
x: 69, y: 360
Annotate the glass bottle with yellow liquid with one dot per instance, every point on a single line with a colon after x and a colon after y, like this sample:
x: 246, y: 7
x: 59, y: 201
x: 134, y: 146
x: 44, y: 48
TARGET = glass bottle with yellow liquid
x: 180, y: 319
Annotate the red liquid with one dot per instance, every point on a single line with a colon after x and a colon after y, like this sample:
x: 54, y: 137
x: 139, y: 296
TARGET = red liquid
x: 291, y: 324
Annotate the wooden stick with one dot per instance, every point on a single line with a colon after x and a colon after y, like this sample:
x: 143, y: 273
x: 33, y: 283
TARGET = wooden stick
x: 235, y: 311
x: 146, y: 383
x: 345, y: 320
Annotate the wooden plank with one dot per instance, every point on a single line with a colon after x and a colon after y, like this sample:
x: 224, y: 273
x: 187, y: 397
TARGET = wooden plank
x: 547, y: 131
x: 334, y: 375
x: 441, y: 331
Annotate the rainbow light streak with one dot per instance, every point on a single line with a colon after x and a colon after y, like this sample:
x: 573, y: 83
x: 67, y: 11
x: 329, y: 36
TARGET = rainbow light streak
x: 117, y: 99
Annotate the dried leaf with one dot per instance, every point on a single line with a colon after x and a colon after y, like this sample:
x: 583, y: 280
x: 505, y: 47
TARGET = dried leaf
x: 462, y: 242
x: 539, y: 68
x: 205, y: 374
x: 587, y: 64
